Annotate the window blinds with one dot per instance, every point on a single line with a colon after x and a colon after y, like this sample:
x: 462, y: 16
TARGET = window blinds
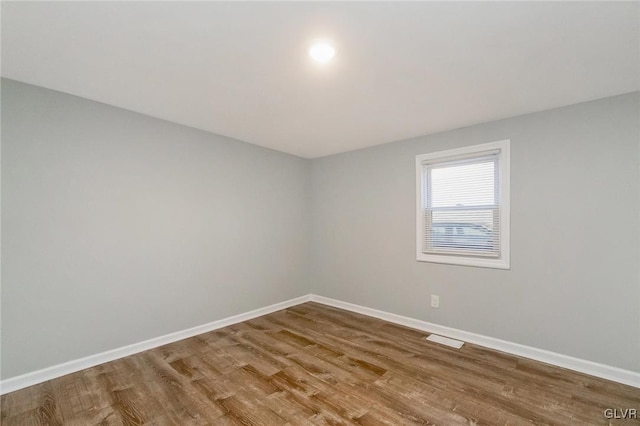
x: 461, y: 206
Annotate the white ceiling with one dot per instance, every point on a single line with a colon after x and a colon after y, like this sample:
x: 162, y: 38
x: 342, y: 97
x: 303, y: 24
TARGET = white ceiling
x: 401, y: 69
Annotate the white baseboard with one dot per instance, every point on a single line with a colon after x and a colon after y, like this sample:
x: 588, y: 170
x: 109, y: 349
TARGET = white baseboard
x: 588, y: 367
x: 615, y: 374
x: 39, y: 376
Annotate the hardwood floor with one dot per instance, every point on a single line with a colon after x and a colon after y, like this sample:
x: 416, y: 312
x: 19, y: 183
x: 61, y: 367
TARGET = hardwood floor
x: 317, y: 365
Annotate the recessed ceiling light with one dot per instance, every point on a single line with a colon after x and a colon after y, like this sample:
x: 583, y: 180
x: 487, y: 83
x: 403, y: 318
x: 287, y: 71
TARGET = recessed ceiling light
x: 322, y: 51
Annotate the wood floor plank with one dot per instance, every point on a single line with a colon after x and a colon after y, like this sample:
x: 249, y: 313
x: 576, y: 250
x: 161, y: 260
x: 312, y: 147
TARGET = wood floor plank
x: 317, y: 365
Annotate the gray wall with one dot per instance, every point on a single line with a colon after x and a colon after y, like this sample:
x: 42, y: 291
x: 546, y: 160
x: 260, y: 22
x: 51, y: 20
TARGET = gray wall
x: 117, y: 227
x: 574, y: 283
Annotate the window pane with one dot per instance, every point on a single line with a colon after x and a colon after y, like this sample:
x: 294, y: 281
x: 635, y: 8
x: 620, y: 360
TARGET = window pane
x: 462, y: 216
x: 463, y: 185
x: 471, y: 231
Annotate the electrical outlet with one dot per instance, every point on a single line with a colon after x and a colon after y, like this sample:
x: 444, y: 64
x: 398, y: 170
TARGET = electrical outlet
x: 435, y: 301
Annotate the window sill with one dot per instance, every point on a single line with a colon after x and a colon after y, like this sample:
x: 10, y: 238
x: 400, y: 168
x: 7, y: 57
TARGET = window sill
x: 465, y: 261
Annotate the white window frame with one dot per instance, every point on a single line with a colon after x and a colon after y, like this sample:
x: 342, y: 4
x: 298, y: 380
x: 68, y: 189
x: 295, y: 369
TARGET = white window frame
x: 468, y: 152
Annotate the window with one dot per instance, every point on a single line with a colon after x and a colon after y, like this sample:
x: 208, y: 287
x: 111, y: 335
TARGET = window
x: 463, y: 206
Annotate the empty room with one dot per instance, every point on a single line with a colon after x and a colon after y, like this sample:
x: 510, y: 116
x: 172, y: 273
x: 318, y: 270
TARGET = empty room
x: 320, y: 213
